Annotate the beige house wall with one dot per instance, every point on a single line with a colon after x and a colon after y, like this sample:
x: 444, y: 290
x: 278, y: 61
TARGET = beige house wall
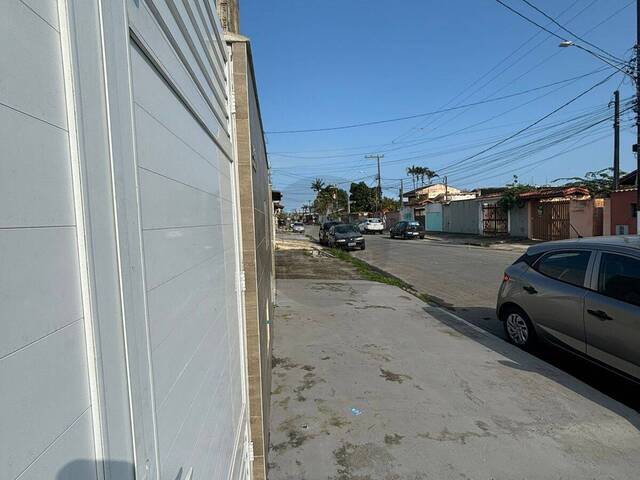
x: 257, y: 243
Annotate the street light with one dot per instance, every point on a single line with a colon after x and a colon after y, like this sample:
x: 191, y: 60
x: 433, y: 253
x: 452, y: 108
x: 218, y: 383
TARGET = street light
x: 635, y: 75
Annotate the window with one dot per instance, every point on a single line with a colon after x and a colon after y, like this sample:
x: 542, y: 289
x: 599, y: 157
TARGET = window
x: 346, y: 229
x: 528, y: 258
x: 569, y: 267
x: 634, y: 210
x: 620, y: 278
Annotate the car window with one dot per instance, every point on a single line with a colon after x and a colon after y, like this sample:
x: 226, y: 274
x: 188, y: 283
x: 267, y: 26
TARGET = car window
x: 346, y: 229
x: 566, y: 266
x: 528, y: 258
x: 620, y: 278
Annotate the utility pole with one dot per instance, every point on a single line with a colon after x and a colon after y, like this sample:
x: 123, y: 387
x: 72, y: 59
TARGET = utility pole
x: 616, y: 140
x: 401, y: 192
x: 637, y: 75
x: 446, y: 189
x: 379, y: 194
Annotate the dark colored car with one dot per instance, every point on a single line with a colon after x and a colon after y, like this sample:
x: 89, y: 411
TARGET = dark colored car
x: 324, y: 231
x: 583, y: 295
x: 406, y: 230
x: 345, y: 236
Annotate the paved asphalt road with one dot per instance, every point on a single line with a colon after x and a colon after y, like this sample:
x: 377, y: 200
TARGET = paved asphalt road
x: 460, y: 277
x: 465, y: 280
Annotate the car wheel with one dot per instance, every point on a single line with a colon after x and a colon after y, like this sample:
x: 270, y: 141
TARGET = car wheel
x: 390, y: 234
x: 361, y: 247
x: 518, y: 328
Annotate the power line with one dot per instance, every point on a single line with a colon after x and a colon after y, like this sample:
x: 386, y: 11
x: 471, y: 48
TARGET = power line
x: 591, y: 52
x: 434, y: 112
x: 611, y: 56
x: 564, y: 105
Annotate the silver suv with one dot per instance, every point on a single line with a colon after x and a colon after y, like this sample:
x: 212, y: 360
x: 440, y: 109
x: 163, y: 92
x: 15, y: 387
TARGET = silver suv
x: 583, y: 295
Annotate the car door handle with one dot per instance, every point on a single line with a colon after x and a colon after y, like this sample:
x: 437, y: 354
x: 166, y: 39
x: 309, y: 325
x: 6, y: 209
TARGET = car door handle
x: 530, y: 290
x: 600, y: 314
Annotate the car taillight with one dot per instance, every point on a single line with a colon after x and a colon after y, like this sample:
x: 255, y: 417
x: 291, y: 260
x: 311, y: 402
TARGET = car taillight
x: 506, y: 277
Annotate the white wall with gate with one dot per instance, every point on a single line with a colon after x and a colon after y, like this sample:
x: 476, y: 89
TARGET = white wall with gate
x: 122, y: 337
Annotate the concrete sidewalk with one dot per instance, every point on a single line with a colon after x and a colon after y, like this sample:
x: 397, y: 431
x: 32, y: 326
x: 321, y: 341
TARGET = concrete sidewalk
x: 368, y: 385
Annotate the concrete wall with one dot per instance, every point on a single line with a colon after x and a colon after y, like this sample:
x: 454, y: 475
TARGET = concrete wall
x: 461, y: 217
x: 622, y: 212
x: 519, y: 221
x: 581, y: 218
x: 257, y: 246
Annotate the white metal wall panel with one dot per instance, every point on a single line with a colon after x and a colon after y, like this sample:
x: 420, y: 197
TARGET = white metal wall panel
x: 45, y: 407
x: 189, y: 250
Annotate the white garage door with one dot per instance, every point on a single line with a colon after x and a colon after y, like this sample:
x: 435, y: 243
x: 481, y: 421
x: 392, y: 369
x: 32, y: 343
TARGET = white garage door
x: 186, y: 201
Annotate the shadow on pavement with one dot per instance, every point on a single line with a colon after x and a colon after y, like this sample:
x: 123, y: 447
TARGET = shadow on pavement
x: 578, y: 374
x: 86, y: 470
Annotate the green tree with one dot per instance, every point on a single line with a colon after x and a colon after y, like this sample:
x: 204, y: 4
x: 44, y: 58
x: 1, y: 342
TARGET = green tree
x: 390, y: 204
x: 330, y: 199
x: 317, y: 185
x: 599, y: 183
x: 413, y: 172
x: 363, y: 197
x: 511, y: 196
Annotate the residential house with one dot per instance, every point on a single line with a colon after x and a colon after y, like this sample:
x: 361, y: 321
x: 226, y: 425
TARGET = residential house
x: 424, y: 204
x: 548, y: 213
x: 257, y: 235
x: 620, y: 210
x: 128, y: 195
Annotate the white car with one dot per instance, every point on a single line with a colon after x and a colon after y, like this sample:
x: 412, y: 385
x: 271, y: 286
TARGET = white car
x: 371, y: 225
x: 298, y: 227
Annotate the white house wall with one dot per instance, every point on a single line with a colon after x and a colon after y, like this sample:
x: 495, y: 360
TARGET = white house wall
x: 117, y: 186
x: 45, y: 405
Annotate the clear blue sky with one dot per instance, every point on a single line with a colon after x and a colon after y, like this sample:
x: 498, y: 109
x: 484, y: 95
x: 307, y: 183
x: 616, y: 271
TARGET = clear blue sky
x: 335, y: 62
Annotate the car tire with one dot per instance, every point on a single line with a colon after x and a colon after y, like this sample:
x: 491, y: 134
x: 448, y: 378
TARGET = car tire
x: 518, y: 327
x: 362, y: 247
x: 390, y: 235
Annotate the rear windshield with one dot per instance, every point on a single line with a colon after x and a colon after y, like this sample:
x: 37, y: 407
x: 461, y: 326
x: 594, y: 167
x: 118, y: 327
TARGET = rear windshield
x: 528, y: 258
x: 346, y: 229
x: 298, y: 224
x: 414, y: 225
x: 375, y: 220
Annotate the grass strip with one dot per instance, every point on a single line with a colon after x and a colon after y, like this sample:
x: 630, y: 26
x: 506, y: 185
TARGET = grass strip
x: 369, y: 272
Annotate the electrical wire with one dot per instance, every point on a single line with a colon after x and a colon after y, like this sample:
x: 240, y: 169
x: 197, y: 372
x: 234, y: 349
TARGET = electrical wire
x: 610, y: 55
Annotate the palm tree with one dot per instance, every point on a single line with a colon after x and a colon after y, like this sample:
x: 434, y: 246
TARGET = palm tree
x: 430, y: 174
x: 317, y: 185
x: 413, y: 172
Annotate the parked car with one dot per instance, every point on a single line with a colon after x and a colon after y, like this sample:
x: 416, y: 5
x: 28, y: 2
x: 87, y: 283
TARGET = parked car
x: 298, y: 227
x: 406, y: 230
x: 583, y: 295
x: 324, y: 231
x: 345, y: 236
x: 371, y: 225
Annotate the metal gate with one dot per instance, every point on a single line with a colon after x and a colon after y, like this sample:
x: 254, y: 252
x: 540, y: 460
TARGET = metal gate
x: 494, y: 220
x: 551, y: 220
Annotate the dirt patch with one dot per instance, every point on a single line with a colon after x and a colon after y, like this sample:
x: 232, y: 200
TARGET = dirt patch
x: 381, y: 307
x: 459, y: 437
x: 295, y: 259
x: 393, y: 439
x: 375, y: 352
x: 368, y: 456
x: 296, y: 436
x: 308, y: 381
x: 393, y: 377
x: 333, y: 418
x: 283, y: 362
